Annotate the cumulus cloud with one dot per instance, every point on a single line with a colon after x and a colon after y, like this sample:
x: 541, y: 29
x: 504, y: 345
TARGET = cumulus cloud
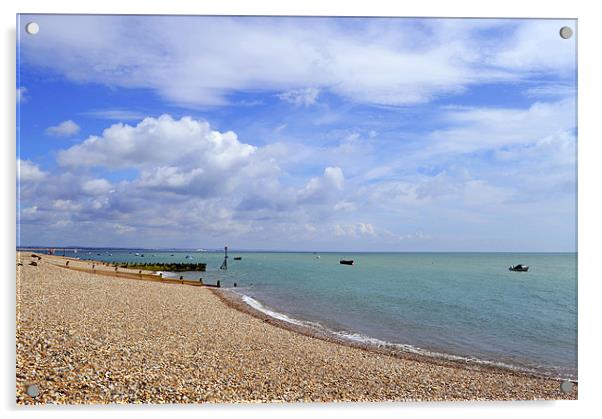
x: 66, y: 205
x: 96, y: 186
x: 384, y: 61
x: 64, y: 129
x: 27, y: 171
x: 186, y: 175
x: 178, y: 155
x: 159, y: 141
x: 320, y: 189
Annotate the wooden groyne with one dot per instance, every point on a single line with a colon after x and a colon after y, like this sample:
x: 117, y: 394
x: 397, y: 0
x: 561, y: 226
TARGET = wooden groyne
x: 168, y: 267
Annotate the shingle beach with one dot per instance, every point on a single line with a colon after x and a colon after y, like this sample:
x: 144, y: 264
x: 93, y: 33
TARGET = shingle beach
x: 89, y: 338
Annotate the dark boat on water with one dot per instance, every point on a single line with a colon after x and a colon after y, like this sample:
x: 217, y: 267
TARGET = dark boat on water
x: 519, y: 268
x: 346, y: 262
x: 238, y: 258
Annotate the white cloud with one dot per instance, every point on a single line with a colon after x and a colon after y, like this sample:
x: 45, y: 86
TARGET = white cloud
x: 325, y: 188
x: 66, y: 205
x: 344, y: 206
x: 29, y: 213
x: 552, y: 90
x: 366, y: 228
x: 123, y: 229
x: 96, y: 186
x: 28, y: 171
x: 368, y: 61
x: 169, y: 177
x: 472, y: 129
x: 354, y: 230
x: 64, y: 129
x: 301, y: 97
x: 538, y: 47
x: 22, y: 94
x: 115, y: 114
x: 334, y: 176
x: 156, y: 142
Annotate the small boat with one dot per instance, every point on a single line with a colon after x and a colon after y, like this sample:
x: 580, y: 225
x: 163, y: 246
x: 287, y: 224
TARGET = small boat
x: 318, y: 257
x: 519, y: 268
x: 189, y: 257
x: 346, y: 262
x: 237, y: 258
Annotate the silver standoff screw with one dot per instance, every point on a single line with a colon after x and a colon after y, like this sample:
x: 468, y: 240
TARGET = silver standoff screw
x: 566, y: 32
x: 32, y: 28
x: 33, y: 390
x: 566, y: 386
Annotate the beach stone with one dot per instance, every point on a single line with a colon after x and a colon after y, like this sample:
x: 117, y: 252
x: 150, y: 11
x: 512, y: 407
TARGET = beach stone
x: 92, y: 338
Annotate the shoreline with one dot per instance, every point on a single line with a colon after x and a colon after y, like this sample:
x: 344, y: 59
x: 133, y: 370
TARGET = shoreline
x: 92, y: 338
x: 235, y: 300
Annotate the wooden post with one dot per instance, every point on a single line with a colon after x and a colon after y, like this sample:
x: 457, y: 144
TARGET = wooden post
x: 225, y: 262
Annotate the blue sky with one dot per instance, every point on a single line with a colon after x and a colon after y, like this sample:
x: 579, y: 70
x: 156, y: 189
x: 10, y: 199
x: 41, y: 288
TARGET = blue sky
x: 297, y: 133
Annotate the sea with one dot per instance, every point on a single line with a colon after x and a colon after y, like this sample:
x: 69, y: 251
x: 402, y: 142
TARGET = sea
x: 464, y: 306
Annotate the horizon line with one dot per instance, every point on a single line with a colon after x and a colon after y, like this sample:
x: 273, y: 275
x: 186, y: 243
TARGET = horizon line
x: 221, y: 249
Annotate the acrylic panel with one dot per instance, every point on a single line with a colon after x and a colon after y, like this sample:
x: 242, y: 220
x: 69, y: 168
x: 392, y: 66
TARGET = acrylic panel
x: 295, y: 209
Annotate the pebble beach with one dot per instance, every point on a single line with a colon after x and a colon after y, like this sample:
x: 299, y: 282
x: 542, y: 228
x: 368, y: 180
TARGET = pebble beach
x: 86, y: 338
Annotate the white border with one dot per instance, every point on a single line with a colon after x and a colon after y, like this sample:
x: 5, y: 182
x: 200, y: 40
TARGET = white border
x: 589, y: 209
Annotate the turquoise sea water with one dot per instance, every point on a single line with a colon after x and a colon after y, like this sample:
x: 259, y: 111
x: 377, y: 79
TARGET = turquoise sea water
x: 458, y: 304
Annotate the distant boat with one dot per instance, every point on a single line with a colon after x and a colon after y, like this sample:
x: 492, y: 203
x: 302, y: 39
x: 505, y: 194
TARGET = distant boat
x: 189, y: 257
x: 346, y: 262
x: 318, y: 257
x: 237, y: 258
x: 137, y: 254
x: 519, y: 268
